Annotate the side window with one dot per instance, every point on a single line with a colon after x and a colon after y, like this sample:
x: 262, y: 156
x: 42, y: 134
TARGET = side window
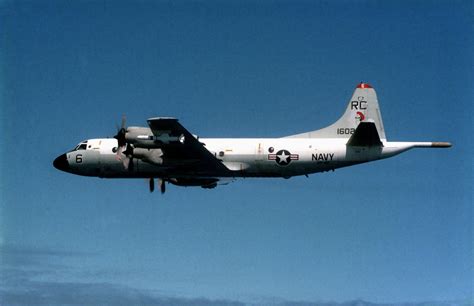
x: 83, y: 146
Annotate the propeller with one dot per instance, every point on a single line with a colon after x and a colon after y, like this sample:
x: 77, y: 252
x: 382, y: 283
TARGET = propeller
x: 121, y: 137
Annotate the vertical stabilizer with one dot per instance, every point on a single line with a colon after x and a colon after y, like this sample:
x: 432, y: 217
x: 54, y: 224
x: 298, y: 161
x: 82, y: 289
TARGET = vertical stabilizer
x: 362, y: 107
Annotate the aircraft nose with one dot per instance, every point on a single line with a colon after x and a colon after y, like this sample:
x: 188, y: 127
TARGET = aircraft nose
x: 61, y: 163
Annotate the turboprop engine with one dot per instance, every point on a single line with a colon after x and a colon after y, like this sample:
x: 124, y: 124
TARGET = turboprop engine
x: 152, y: 156
x: 144, y: 138
x: 140, y: 142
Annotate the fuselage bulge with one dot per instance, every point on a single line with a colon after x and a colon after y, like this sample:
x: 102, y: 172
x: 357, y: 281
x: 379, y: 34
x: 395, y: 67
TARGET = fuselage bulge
x: 167, y: 151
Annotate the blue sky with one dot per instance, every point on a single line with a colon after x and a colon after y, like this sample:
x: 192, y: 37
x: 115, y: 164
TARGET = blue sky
x: 389, y: 231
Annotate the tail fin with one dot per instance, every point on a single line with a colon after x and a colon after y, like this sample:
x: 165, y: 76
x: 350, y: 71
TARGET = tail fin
x: 363, y: 107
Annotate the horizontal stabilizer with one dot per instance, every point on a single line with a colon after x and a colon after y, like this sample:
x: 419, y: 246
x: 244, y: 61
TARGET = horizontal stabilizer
x: 365, y: 135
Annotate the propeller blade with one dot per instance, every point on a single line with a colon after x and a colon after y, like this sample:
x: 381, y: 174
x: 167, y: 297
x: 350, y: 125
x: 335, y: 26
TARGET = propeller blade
x: 152, y: 184
x: 121, y: 136
x: 122, y: 144
x: 162, y: 186
x: 129, y: 150
x: 126, y: 163
x: 118, y: 155
x: 124, y: 121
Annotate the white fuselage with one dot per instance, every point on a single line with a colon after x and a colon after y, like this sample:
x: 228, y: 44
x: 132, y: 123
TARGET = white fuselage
x: 244, y: 157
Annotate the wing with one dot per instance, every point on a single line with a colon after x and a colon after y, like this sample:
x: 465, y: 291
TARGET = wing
x: 181, y: 148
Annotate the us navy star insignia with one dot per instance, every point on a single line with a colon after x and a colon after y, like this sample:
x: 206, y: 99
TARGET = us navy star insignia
x: 283, y: 157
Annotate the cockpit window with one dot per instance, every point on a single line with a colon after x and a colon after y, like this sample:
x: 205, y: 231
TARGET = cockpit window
x: 81, y: 146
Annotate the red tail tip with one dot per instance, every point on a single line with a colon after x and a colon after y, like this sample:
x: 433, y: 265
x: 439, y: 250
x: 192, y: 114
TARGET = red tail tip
x: 364, y: 85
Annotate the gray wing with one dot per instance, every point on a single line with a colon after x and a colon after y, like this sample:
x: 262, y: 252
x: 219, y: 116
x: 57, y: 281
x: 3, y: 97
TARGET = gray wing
x: 184, y: 149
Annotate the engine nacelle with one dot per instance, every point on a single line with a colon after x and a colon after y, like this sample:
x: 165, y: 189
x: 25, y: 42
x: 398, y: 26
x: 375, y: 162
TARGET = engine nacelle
x: 141, y: 137
x: 152, y: 156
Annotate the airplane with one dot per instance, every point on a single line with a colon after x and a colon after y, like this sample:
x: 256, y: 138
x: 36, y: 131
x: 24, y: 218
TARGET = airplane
x: 166, y: 151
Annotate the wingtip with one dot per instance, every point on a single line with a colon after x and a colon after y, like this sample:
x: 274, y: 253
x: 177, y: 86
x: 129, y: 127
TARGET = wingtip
x: 161, y: 118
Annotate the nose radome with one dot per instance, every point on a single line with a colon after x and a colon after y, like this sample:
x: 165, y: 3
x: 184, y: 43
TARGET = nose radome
x: 61, y: 163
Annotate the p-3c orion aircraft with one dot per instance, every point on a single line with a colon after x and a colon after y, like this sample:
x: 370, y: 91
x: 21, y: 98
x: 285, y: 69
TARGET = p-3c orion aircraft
x: 167, y: 151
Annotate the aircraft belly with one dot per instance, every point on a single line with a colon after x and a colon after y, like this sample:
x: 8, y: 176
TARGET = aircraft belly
x: 297, y: 163
x: 303, y: 162
x: 113, y: 168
